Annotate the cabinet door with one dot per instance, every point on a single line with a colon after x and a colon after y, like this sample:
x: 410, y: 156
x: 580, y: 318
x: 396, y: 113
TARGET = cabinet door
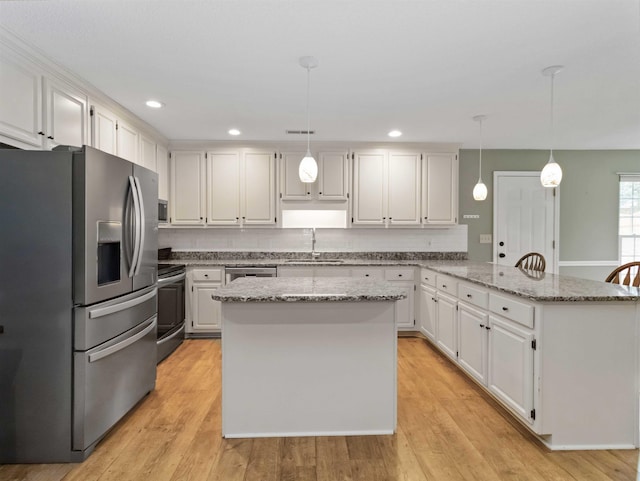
x: 472, y: 341
x: 405, y: 308
x: 292, y: 187
x: 162, y: 164
x: 223, y: 194
x: 295, y: 271
x: 257, y: 203
x: 510, y: 368
x: 369, y: 188
x: 207, y: 313
x: 332, y: 175
x: 127, y: 142
x: 440, y: 189
x: 21, y: 100
x: 147, y: 153
x: 187, y: 188
x: 428, y: 311
x: 446, y: 330
x: 403, y: 188
x: 65, y: 114
x: 103, y: 129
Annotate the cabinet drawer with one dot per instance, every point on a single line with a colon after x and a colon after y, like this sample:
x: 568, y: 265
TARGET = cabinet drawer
x: 473, y: 295
x: 428, y: 277
x: 447, y: 284
x: 207, y: 275
x: 399, y: 274
x: 367, y: 272
x: 517, y: 311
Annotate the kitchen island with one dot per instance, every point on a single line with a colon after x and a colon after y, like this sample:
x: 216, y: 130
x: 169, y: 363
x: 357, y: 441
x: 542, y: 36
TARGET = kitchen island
x: 308, y: 357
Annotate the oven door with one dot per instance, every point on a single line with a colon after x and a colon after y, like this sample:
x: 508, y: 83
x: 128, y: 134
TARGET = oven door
x: 171, y: 303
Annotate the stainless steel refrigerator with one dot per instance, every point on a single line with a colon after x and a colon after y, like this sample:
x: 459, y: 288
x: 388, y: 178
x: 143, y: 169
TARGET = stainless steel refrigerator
x: 78, y: 299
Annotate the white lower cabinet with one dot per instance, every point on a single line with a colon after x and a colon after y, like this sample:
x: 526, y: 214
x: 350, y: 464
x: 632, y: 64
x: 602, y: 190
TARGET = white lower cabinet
x: 473, y: 328
x: 427, y: 311
x: 447, y: 325
x: 204, y: 315
x: 510, y: 366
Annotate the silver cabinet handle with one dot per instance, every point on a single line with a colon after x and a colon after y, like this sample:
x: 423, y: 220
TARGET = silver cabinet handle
x: 121, y: 345
x: 105, y: 311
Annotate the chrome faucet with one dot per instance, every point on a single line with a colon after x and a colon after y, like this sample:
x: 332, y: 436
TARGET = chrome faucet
x: 314, y: 254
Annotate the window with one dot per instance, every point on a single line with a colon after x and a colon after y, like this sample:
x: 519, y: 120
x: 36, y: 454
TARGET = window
x: 629, y: 218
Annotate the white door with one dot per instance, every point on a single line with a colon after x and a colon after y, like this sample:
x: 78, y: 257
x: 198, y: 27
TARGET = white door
x: 65, y: 114
x: 207, y: 313
x: 370, y: 188
x: 292, y: 187
x: 524, y: 218
x: 127, y: 142
x: 162, y: 164
x: 187, y: 188
x: 428, y: 311
x: 332, y: 175
x: 440, y: 189
x: 258, y: 199
x: 147, y: 155
x: 104, y: 129
x: 472, y: 341
x: 446, y: 330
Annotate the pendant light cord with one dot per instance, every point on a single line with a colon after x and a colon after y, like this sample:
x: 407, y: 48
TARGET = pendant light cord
x: 308, y: 89
x: 551, y: 114
x: 480, y: 166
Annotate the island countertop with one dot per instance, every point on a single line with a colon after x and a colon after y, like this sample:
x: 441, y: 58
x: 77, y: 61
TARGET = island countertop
x: 307, y: 289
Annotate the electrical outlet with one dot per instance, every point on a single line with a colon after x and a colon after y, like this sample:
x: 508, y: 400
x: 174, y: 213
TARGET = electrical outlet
x: 471, y: 216
x: 485, y: 238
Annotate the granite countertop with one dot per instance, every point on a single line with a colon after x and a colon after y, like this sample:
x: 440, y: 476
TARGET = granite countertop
x: 306, y: 289
x: 536, y: 286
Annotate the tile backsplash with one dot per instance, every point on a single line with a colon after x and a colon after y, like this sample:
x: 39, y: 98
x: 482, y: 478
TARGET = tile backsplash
x: 453, y: 239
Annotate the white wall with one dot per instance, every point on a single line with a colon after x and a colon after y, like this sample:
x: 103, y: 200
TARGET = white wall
x: 452, y: 239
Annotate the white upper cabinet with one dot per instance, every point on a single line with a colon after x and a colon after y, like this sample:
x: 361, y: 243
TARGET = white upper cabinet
x: 369, y: 187
x: 440, y: 189
x: 127, y: 142
x: 162, y: 165
x: 257, y: 204
x: 223, y: 193
x: 386, y: 188
x: 403, y: 188
x: 332, y: 181
x: 333, y: 176
x: 147, y: 157
x: 187, y: 188
x: 65, y: 113
x: 292, y: 187
x: 20, y: 100
x: 104, y: 129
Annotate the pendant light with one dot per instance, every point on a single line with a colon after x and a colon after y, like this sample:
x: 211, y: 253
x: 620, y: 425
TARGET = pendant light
x: 480, y: 190
x: 308, y: 169
x: 551, y: 174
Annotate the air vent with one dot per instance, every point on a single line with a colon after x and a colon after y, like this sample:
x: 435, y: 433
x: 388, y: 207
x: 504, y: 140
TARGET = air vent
x: 301, y: 132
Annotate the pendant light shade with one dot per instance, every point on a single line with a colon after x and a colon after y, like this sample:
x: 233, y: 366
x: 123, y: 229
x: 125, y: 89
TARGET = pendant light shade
x: 551, y: 174
x: 480, y: 190
x: 308, y: 169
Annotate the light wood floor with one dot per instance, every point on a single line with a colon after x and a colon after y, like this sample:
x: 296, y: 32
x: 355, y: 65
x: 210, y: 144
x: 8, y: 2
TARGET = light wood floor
x: 448, y: 429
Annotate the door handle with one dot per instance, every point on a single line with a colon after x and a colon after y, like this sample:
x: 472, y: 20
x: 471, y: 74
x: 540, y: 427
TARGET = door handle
x: 502, y: 254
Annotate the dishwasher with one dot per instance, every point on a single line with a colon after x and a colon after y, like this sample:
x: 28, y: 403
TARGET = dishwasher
x: 232, y: 273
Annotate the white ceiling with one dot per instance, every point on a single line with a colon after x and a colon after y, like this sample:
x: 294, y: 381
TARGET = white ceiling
x: 424, y: 67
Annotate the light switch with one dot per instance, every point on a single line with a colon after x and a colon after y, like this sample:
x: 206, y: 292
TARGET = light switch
x: 485, y: 238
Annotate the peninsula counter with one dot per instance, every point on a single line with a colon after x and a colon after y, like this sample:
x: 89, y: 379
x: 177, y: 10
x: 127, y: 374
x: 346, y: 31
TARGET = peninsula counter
x: 308, y: 357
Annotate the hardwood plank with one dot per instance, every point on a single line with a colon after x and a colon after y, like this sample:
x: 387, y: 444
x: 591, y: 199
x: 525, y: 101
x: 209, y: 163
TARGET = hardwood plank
x: 265, y: 462
x: 232, y: 460
x: 299, y: 452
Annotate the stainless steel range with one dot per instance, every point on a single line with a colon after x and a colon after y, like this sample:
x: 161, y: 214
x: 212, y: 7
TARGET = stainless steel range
x: 171, y: 308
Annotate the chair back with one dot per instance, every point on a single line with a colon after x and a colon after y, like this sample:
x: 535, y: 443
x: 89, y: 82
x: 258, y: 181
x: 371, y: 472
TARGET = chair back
x: 532, y: 261
x: 627, y: 274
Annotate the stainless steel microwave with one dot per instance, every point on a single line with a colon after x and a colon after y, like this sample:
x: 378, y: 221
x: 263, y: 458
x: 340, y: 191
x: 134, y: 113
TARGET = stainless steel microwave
x: 163, y: 211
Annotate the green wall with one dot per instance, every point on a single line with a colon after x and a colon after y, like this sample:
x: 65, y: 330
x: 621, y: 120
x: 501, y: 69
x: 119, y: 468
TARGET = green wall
x: 588, y: 200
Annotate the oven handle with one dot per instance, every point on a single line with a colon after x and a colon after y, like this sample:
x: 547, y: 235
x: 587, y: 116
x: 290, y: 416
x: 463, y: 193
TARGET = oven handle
x: 121, y: 345
x: 179, y: 331
x: 171, y: 280
x: 105, y: 311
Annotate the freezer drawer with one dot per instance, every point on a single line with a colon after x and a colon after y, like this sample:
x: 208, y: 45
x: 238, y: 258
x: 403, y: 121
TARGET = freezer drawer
x: 110, y: 379
x: 98, y: 323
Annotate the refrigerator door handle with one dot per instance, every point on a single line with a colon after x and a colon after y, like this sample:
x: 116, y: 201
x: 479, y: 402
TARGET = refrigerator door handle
x: 137, y: 225
x: 142, y: 226
x: 129, y: 227
x: 105, y: 311
x: 123, y: 344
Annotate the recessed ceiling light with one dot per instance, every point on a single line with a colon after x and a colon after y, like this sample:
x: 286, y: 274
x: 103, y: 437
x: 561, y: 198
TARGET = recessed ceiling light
x: 394, y: 133
x: 154, y: 104
x: 234, y: 132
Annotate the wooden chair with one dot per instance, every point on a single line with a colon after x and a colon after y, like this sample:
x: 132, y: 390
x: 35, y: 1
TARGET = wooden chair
x: 627, y: 275
x: 532, y: 261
